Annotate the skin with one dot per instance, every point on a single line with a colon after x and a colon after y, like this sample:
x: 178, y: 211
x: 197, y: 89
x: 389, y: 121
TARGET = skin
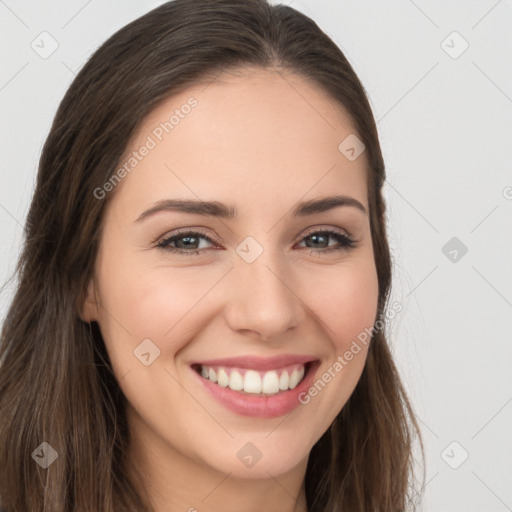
x: 261, y: 141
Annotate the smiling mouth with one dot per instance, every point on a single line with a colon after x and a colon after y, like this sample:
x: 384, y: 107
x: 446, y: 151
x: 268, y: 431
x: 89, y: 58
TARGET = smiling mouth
x: 256, y: 383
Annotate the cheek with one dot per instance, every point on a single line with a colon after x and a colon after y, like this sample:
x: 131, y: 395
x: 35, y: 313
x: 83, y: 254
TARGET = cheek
x: 141, y: 302
x: 155, y: 301
x: 345, y: 300
x: 346, y: 307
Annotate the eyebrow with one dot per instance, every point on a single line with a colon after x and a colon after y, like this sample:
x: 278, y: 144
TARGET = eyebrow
x: 224, y: 211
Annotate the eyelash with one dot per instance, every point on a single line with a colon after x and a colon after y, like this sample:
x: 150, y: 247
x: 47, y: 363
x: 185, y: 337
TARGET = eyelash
x: 345, y: 242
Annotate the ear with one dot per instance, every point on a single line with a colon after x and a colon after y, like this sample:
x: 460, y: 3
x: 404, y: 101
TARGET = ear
x: 90, y: 307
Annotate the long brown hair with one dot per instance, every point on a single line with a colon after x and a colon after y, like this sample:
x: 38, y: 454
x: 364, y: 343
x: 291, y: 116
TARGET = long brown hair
x: 56, y: 382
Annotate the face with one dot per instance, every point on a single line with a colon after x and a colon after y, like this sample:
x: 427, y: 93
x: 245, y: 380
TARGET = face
x: 182, y: 297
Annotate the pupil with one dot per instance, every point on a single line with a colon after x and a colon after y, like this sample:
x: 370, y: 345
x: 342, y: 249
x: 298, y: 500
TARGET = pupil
x: 187, y: 238
x: 316, y: 237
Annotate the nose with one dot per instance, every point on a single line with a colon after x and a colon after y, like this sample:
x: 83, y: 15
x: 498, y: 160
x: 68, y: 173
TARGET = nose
x: 262, y: 299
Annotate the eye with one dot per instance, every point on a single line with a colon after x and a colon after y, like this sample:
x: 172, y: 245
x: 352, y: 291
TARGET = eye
x: 188, y: 243
x: 322, y: 236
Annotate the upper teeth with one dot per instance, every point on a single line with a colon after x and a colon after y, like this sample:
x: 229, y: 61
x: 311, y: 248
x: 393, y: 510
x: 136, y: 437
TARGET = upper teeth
x: 251, y: 381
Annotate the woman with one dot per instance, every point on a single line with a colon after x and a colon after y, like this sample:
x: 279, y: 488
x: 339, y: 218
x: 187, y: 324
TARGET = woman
x: 199, y: 320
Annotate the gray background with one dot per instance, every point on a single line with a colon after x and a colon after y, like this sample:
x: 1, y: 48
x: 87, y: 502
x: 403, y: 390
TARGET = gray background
x: 444, y: 119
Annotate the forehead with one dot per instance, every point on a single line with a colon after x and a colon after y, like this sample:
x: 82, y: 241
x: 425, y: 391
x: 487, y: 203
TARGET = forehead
x: 252, y: 137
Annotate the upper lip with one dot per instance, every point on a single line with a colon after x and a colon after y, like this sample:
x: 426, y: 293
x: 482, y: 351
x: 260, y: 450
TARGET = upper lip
x: 259, y: 363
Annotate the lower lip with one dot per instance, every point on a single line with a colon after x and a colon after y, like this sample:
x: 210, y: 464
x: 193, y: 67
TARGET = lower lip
x: 261, y: 406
